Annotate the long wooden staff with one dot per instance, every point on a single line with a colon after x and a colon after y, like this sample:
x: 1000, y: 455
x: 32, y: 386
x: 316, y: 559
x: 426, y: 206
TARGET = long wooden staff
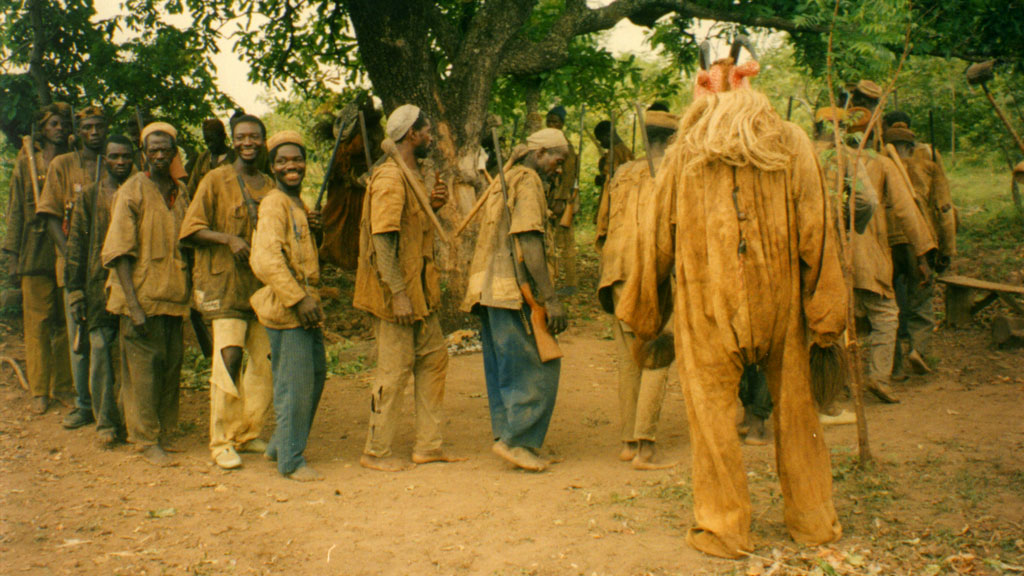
x: 418, y: 190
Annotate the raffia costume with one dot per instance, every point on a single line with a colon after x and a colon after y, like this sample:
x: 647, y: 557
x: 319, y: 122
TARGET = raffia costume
x: 741, y: 213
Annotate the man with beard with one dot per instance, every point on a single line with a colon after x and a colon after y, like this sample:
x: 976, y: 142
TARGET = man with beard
x: 66, y: 177
x: 216, y: 154
x: 284, y: 257
x: 218, y: 225
x: 641, y: 388
x: 86, y: 278
x: 563, y: 195
x: 741, y: 215
x: 396, y: 282
x: 32, y: 258
x: 149, y: 290
x: 521, y: 389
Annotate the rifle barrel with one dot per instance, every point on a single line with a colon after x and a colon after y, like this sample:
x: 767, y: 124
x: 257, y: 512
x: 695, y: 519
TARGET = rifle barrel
x: 327, y: 173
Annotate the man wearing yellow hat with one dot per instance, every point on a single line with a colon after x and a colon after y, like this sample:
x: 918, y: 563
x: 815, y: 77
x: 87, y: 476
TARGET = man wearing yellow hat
x: 218, y: 224
x: 149, y: 289
x: 396, y: 282
x: 32, y: 257
x: 284, y: 257
x: 630, y: 201
x: 521, y: 388
x: 66, y: 177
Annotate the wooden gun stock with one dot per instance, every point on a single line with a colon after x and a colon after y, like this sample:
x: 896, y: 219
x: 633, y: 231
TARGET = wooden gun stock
x: 547, y: 346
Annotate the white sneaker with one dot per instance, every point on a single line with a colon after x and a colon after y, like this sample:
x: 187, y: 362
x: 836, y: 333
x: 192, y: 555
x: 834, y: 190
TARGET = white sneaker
x: 228, y: 459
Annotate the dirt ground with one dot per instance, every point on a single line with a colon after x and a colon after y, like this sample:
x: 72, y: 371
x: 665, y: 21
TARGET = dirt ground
x: 946, y: 495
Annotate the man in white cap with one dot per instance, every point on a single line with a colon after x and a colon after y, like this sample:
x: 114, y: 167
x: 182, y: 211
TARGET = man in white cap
x: 396, y: 282
x: 149, y: 290
x: 521, y: 388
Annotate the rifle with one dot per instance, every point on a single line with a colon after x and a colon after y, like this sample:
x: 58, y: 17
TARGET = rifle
x: 931, y: 131
x: 417, y: 187
x: 330, y: 166
x: 29, y: 144
x: 250, y: 204
x: 633, y: 145
x: 789, y: 109
x: 647, y: 143
x: 547, y: 346
x: 566, y: 221
x: 366, y: 145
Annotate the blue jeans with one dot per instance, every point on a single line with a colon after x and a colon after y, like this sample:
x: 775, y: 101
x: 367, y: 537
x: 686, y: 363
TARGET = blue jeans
x: 521, y: 389
x: 79, y: 361
x: 102, y: 349
x: 299, y: 365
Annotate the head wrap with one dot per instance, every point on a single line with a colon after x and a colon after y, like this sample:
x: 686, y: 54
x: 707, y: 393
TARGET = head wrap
x: 661, y: 119
x: 546, y: 138
x: 869, y: 89
x: 53, y: 109
x: 898, y: 132
x: 724, y: 76
x: 89, y: 112
x: 157, y: 127
x: 285, y: 137
x: 830, y: 114
x: 401, y: 119
x: 558, y: 111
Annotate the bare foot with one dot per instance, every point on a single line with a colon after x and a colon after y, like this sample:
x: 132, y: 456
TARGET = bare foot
x: 388, y: 464
x: 156, y: 456
x: 647, y: 458
x: 758, y: 433
x: 519, y: 457
x: 305, y: 474
x: 628, y: 451
x: 438, y: 456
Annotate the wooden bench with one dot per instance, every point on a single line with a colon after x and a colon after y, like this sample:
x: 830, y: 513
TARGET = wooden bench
x: 960, y: 302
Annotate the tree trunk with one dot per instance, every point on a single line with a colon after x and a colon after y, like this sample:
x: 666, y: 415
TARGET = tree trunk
x: 35, y: 62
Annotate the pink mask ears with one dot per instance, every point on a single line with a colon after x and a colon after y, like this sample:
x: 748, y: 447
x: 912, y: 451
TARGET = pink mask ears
x: 739, y: 76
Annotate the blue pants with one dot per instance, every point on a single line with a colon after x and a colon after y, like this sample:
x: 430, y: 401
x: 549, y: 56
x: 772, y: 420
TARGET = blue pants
x: 299, y: 365
x: 79, y: 361
x: 102, y: 356
x: 521, y: 389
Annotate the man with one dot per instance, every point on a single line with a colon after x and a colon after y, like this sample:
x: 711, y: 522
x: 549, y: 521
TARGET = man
x: 86, y: 278
x: 909, y: 243
x: 284, y: 257
x: 149, y: 290
x: 218, y: 225
x: 607, y: 137
x: 742, y: 218
x: 641, y: 389
x: 216, y: 154
x: 521, y: 389
x: 66, y: 177
x: 32, y: 258
x: 564, y: 201
x: 396, y: 282
x: 931, y: 193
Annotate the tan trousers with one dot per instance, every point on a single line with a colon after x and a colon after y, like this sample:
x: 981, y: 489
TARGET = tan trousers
x: 565, y: 255
x: 237, y: 412
x: 46, y: 340
x: 641, y: 392
x: 417, y: 352
x: 151, y: 378
x: 882, y: 316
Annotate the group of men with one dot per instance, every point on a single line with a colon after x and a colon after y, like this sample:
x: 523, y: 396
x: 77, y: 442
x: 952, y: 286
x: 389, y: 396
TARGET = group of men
x: 720, y: 253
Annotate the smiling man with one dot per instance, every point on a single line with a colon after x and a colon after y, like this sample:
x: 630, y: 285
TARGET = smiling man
x: 521, y: 389
x: 218, y: 223
x: 85, y: 279
x: 66, y: 177
x: 284, y: 257
x: 149, y: 291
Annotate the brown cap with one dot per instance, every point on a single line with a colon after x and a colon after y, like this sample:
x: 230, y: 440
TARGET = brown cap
x: 89, y: 112
x: 898, y: 132
x: 661, y: 119
x: 869, y: 89
x: 285, y: 137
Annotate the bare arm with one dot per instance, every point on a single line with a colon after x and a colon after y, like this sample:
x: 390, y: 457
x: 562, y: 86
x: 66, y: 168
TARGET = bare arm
x: 124, y: 266
x: 385, y: 246
x: 206, y: 237
x: 532, y: 246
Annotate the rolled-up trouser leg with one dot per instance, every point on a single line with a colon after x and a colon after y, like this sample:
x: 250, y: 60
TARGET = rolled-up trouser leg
x: 238, y: 410
x: 649, y: 402
x: 396, y: 346
x: 802, y: 458
x: 629, y: 381
x: 521, y: 388
x: 298, y: 362
x: 79, y: 361
x: 429, y: 381
x: 565, y: 244
x: 103, y: 357
x: 920, y: 314
x: 880, y: 342
x: 46, y: 340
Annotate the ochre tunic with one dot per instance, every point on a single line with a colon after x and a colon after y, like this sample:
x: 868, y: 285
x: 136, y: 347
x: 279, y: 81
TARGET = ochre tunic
x: 66, y: 177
